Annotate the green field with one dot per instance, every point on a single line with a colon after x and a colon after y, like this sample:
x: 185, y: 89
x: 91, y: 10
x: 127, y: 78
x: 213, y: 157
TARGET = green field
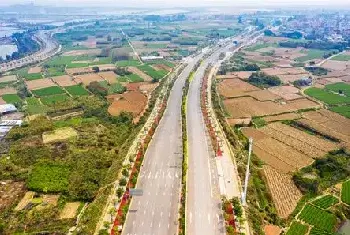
x: 130, y: 78
x: 33, y: 76
x: 55, y: 71
x: 318, y: 217
x: 52, y: 99
x: 165, y: 62
x: 32, y: 101
x: 157, y: 75
x: 340, y: 86
x: 312, y: 54
x: 317, y: 231
x: 345, y: 192
x: 341, y: 57
x: 325, y: 201
x: 115, y: 88
x: 48, y: 177
x: 76, y: 90
x: 11, y: 98
x: 342, y: 110
x: 327, y: 96
x: 126, y: 63
x: 297, y: 229
x: 53, y: 90
x: 260, y: 46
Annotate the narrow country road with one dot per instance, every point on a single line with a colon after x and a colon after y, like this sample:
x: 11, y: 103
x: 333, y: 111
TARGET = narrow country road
x: 156, y: 212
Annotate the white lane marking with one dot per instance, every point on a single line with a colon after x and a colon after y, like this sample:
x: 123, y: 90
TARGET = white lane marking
x: 161, y: 214
x: 142, y: 223
x: 144, y: 212
x: 133, y: 223
x: 169, y: 175
x: 156, y: 176
x: 176, y: 175
x: 152, y: 212
x: 209, y: 218
x: 218, y: 217
x: 149, y: 175
x: 169, y: 214
x: 190, y: 217
x: 151, y: 224
x: 168, y: 225
x: 159, y: 225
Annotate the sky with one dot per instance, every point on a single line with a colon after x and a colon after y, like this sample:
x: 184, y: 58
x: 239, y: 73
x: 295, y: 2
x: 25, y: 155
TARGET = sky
x: 180, y: 3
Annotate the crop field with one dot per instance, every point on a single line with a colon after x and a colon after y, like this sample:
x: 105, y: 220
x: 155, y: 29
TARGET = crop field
x: 133, y: 78
x: 157, y: 75
x: 39, y: 83
x: 32, y: 76
x: 59, y: 135
x: 76, y: 90
x: 318, y: 217
x: 64, y: 80
x: 86, y: 79
x: 49, y: 178
x: 11, y: 98
x: 286, y: 92
x: 70, y: 210
x: 297, y: 229
x: 55, y: 71
x: 275, y: 139
x: 9, y: 78
x: 281, y: 117
x: 109, y: 76
x: 284, y: 193
x: 52, y: 99
x: 332, y: 94
x: 342, y: 110
x: 345, y: 192
x: 139, y: 73
x: 164, y: 62
x: 342, y: 57
x: 317, y: 231
x: 327, y: 123
x: 235, y: 87
x: 325, y: 201
x: 128, y: 63
x: 133, y: 101
x: 312, y: 54
x: 54, y: 90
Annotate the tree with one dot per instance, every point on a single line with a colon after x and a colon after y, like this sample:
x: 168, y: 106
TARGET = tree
x: 96, y: 69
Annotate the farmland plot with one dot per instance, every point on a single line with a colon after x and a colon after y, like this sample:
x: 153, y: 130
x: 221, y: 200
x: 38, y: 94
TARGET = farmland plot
x: 284, y: 193
x: 297, y: 229
x: 318, y: 217
x: 345, y: 192
x: 235, y: 87
x: 64, y: 80
x: 39, y: 84
x: 325, y: 201
x: 53, y: 90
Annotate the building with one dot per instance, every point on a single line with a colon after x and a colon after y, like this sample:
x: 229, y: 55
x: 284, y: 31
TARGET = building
x: 7, y: 108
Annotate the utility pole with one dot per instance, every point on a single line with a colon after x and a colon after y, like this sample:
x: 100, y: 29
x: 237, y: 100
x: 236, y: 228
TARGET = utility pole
x: 244, y: 195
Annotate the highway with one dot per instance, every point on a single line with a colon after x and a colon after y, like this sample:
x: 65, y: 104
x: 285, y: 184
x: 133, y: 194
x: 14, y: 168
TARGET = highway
x: 156, y: 211
x: 203, y: 214
x: 48, y: 47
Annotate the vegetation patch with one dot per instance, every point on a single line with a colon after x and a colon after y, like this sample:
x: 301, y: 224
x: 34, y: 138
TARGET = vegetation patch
x: 261, y: 79
x: 59, y: 134
x: 325, y: 201
x: 76, y: 90
x: 318, y: 217
x: 297, y: 229
x: 11, y: 98
x: 54, y: 90
x: 54, y: 99
x: 128, y: 63
x: 49, y: 177
x: 345, y: 192
x: 33, y: 76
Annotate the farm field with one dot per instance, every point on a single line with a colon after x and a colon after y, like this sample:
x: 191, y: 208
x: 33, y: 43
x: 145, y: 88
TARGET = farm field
x: 312, y: 54
x: 39, y: 84
x: 133, y: 101
x: 9, y: 78
x: 325, y: 201
x: 275, y: 139
x: 59, y: 135
x: 283, y: 190
x: 297, y: 229
x: 54, y: 99
x: 11, y: 98
x: 328, y: 95
x: 157, y: 75
x: 76, y: 90
x: 342, y: 57
x: 318, y: 217
x: 345, y: 192
x: 54, y: 90
x: 128, y: 63
x: 64, y: 80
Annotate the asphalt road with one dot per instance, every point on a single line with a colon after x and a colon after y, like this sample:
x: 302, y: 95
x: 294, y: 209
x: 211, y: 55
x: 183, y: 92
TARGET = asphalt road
x: 48, y: 48
x: 156, y: 212
x: 204, y: 213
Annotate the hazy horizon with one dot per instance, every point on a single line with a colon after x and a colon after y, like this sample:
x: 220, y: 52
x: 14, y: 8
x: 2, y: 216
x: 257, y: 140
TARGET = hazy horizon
x: 180, y: 3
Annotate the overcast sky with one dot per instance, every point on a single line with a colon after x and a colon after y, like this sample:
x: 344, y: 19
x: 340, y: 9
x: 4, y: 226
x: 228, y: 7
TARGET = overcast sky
x: 179, y: 3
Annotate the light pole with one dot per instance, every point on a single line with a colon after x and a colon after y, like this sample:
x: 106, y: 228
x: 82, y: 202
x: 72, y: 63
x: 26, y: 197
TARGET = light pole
x: 244, y: 195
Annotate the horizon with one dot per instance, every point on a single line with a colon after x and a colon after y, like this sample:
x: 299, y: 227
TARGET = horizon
x: 180, y: 3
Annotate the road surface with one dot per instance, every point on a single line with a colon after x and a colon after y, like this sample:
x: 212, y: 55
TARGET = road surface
x: 48, y: 47
x: 156, y: 212
x: 203, y: 214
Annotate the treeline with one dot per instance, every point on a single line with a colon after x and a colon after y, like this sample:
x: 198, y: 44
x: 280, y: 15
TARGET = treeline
x: 237, y: 63
x: 321, y: 45
x: 261, y: 79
